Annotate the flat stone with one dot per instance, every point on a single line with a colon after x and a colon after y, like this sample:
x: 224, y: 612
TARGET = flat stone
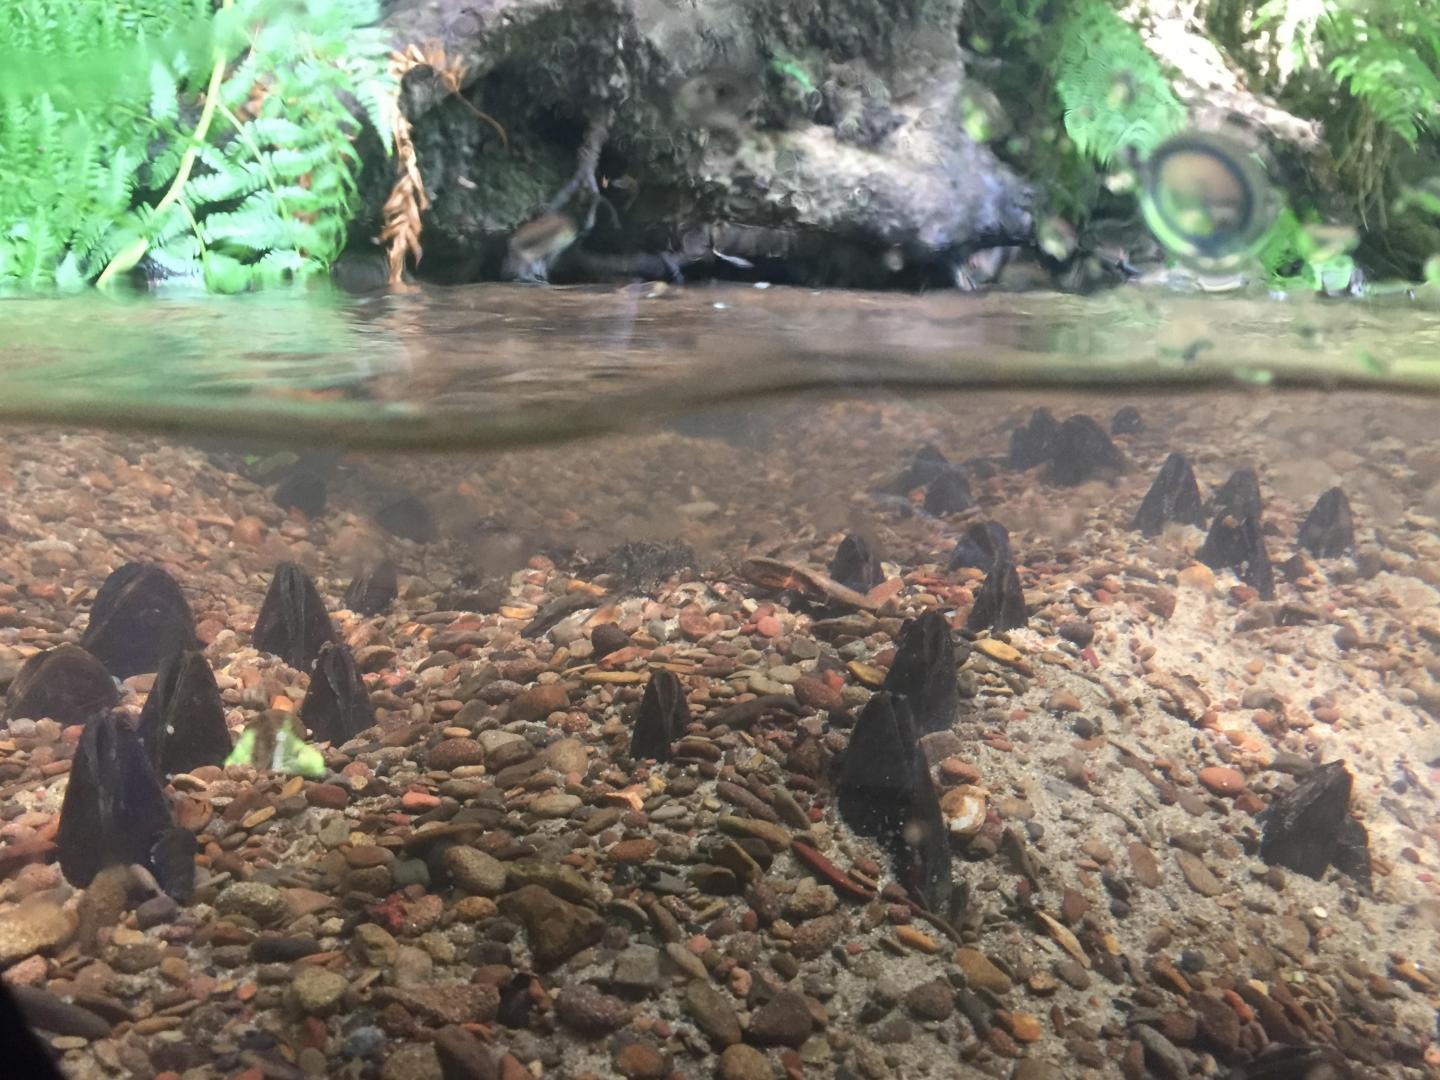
x: 263, y: 904
x: 412, y: 1061
x: 567, y: 756
x: 564, y: 881
x: 639, y: 1061
x: 741, y: 1062
x: 463, y: 1056
x: 815, y: 937
x: 316, y: 991
x: 33, y: 926
x: 475, y: 871
x: 980, y: 972
x: 1197, y: 875
x: 455, y: 1003
x: 555, y: 804
x: 777, y: 837
x: 1222, y: 781
x: 454, y: 753
x: 538, y: 702
x: 51, y: 1013
x: 1143, y: 864
x: 784, y: 1020
x: 374, y: 945
x: 933, y: 1000
x: 556, y: 929
x: 713, y: 1013
x: 637, y: 969
x: 590, y: 1012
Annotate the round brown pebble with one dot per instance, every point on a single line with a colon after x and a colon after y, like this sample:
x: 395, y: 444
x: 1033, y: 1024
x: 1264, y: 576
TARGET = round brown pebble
x: 640, y: 1061
x: 1222, y: 780
x: 453, y: 753
x: 741, y: 1062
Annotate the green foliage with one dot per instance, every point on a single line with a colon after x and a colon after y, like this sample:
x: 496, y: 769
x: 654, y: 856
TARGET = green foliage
x: 217, y: 143
x: 1114, y: 94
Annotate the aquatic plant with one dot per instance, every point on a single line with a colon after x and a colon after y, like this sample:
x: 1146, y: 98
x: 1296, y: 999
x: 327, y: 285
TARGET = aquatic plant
x: 215, y: 143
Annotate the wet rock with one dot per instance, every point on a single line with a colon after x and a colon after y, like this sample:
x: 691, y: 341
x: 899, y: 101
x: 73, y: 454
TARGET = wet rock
x: 948, y: 493
x: 303, y: 490
x: 372, y: 591
x: 637, y: 970
x: 933, y: 1000
x: 856, y: 565
x: 535, y: 703
x: 1127, y: 421
x: 463, y: 1056
x: 1174, y: 496
x: 1306, y: 828
x: 49, y: 1012
x: 712, y: 1012
x: 412, y: 1061
x: 1081, y: 450
x: 33, y: 926
x: 661, y: 718
x: 65, y: 683
x: 637, y: 1060
x: 475, y: 871
x: 784, y: 1020
x: 1000, y: 604
x: 450, y: 754
x: 608, y: 638
x: 927, y: 464
x: 139, y: 617
x: 588, y: 1011
x: 183, y: 721
x: 1329, y: 529
x: 741, y: 1062
x: 983, y: 544
x: 317, y: 991
x: 262, y: 904
x: 924, y: 672
x: 556, y: 929
x: 337, y: 705
x: 114, y: 809
x: 1235, y: 540
x: 408, y: 518
x: 885, y: 791
x: 1197, y: 875
x: 981, y: 972
x: 1031, y: 445
x: 292, y: 623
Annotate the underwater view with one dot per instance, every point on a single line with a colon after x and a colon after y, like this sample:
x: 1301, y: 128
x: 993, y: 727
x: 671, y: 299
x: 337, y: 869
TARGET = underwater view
x: 749, y: 539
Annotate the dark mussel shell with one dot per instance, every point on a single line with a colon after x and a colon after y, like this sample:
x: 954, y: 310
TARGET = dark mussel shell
x: 1329, y: 528
x: 661, y: 718
x: 65, y: 683
x: 293, y: 623
x: 884, y: 791
x: 1000, y: 604
x: 337, y: 705
x: 948, y: 493
x: 1031, y: 444
x: 982, y: 544
x: 924, y: 672
x: 1082, y: 450
x: 856, y: 565
x: 373, y: 591
x: 139, y: 617
x: 183, y: 722
x: 927, y: 464
x: 1174, y: 496
x: 114, y: 808
x: 1239, y: 545
x: 1127, y: 421
x: 302, y: 490
x: 1308, y: 828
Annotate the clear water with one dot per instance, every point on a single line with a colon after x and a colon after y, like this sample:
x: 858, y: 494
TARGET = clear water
x: 526, y: 435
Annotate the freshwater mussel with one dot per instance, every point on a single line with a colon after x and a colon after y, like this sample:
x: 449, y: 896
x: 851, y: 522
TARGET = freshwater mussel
x: 65, y: 683
x: 337, y: 705
x: 183, y: 722
x: 293, y: 623
x: 139, y: 617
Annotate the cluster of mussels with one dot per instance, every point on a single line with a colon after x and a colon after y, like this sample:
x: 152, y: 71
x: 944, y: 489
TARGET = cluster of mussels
x: 883, y: 785
x: 115, y: 811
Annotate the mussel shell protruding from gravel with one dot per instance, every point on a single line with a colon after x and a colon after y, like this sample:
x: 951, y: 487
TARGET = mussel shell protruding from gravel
x: 1329, y: 529
x: 373, y: 591
x: 856, y: 564
x: 172, y: 861
x: 927, y: 464
x: 139, y: 617
x: 114, y: 809
x: 1031, y: 444
x: 1309, y: 828
x: 885, y: 791
x: 1239, y: 544
x: 1127, y: 421
x: 65, y: 683
x: 982, y: 544
x: 183, y: 721
x: 661, y: 717
x: 948, y: 493
x: 1000, y: 603
x: 1174, y: 496
x: 924, y: 672
x: 1239, y: 496
x: 337, y: 705
x: 1081, y: 450
x: 293, y: 623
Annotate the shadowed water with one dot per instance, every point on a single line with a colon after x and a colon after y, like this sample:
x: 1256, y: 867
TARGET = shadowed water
x: 493, y: 366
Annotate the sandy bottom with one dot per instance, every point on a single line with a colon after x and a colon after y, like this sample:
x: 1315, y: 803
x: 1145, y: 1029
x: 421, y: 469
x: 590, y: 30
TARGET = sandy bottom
x: 1113, y: 917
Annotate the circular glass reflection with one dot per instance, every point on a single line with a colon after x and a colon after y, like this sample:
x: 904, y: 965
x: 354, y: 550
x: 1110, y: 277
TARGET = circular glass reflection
x: 1206, y: 198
